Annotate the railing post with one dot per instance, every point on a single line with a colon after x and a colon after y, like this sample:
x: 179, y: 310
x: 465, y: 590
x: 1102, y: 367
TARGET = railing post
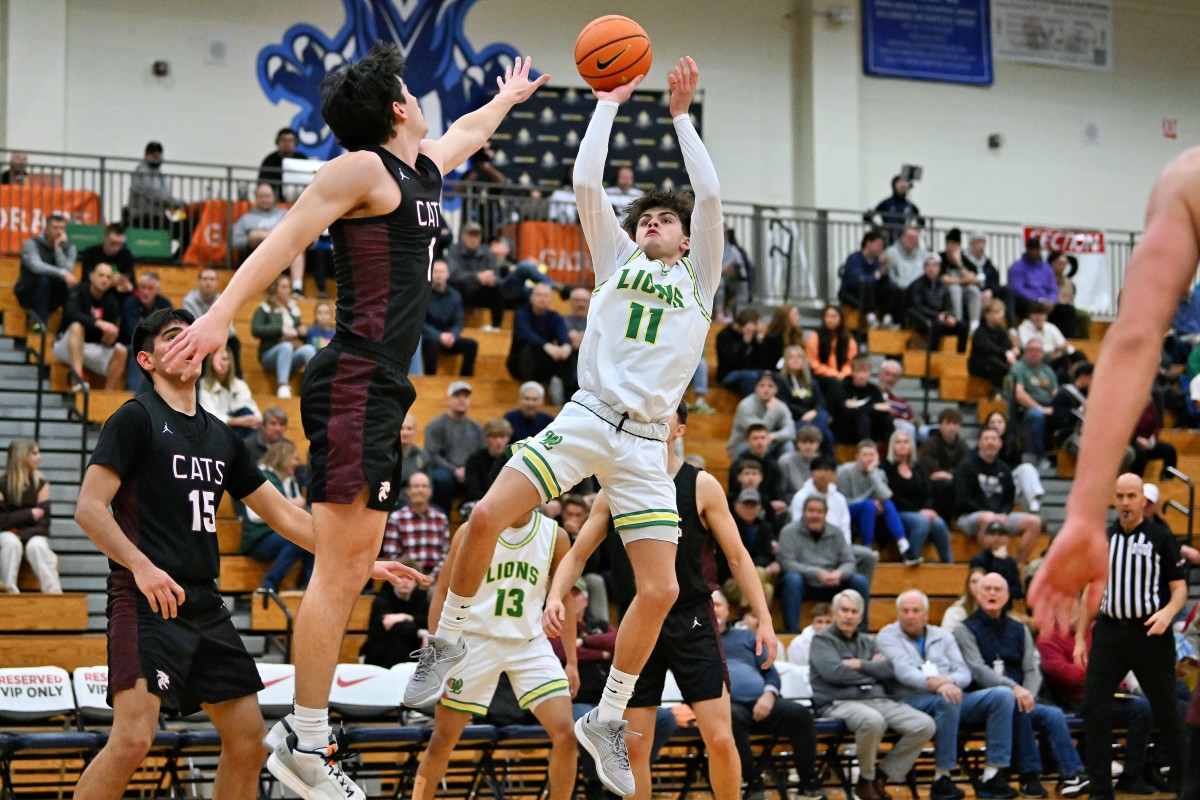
x: 229, y: 195
x: 821, y: 254
x: 100, y: 189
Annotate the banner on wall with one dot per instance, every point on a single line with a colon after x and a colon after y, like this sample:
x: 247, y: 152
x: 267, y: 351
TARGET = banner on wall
x: 1093, y: 286
x: 947, y: 41
x: 24, y: 211
x: 1062, y: 33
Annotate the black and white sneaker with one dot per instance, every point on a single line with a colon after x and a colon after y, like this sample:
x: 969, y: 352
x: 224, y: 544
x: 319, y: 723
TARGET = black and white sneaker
x: 1074, y: 785
x: 313, y: 774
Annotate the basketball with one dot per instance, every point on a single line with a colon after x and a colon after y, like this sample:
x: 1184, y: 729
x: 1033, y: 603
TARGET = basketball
x: 611, y: 51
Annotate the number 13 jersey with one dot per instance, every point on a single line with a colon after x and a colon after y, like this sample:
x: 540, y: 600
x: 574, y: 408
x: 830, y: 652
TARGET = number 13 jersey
x: 511, y: 598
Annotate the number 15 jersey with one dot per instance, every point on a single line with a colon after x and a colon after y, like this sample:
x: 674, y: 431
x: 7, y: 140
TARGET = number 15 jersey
x: 174, y: 469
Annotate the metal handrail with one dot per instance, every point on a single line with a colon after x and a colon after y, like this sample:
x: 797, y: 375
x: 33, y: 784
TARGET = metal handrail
x: 271, y: 596
x: 78, y: 380
x: 39, y: 357
x: 1187, y: 511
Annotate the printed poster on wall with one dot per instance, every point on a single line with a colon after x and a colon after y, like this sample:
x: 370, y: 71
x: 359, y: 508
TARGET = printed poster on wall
x: 1093, y: 285
x: 1061, y: 33
x: 945, y: 41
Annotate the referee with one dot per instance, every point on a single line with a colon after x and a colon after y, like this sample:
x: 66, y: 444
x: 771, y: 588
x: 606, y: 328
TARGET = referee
x: 1133, y: 632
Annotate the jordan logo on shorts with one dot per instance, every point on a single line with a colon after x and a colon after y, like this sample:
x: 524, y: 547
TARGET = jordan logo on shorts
x: 695, y: 622
x: 385, y: 489
x: 164, y: 680
x: 166, y: 429
x: 550, y: 440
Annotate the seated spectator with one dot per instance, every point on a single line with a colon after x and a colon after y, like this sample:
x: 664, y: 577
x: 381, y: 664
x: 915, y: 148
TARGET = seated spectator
x: 145, y: 300
x: 151, y: 204
x: 1184, y: 333
x: 823, y: 484
x: 112, y: 251
x: 984, y: 493
x: 1073, y: 322
x: 802, y: 395
x: 1147, y: 446
x: 477, y: 276
x: 903, y: 416
x: 1025, y: 475
x: 992, y: 351
x: 849, y: 678
x: 444, y: 324
x: 975, y: 258
x: 541, y: 349
x: 528, y: 419
x: 625, y: 191
x: 866, y: 284
x: 800, y: 647
x: 280, y: 331
x: 994, y: 557
x: 450, y: 439
x: 966, y: 603
x: 758, y: 445
x: 270, y: 171
x: 47, y: 272
x: 940, y: 455
x: 323, y: 328
x: 763, y: 408
x: 737, y: 273
x: 1069, y: 399
x: 830, y: 349
x: 757, y: 707
x: 414, y: 459
x: 748, y: 474
x: 259, y: 541
x: 782, y: 332
x: 932, y: 310
x: 741, y: 356
x: 906, y: 257
x: 18, y: 170
x: 1055, y: 346
x: 866, y: 489
x: 815, y: 561
x: 418, y: 532
x: 963, y: 281
x: 1031, y: 279
x: 912, y: 494
x: 200, y: 299
x: 864, y: 413
x: 253, y: 228
x: 932, y: 676
x: 483, y: 463
x: 563, y: 208
x: 88, y: 335
x: 576, y: 321
x: 796, y: 467
x: 1000, y: 652
x: 25, y: 520
x: 759, y: 536
x: 397, y: 627
x: 273, y: 429
x: 228, y: 397
x: 1034, y: 384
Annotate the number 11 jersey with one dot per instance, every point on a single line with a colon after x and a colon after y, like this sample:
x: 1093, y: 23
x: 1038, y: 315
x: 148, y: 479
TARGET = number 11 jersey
x: 174, y: 470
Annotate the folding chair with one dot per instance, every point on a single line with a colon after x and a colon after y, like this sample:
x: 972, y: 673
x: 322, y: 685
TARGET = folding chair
x: 38, y: 696
x: 279, y: 687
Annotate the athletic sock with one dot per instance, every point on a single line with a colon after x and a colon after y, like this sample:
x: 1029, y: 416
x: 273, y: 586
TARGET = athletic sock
x: 941, y: 773
x: 454, y: 617
x: 902, y: 544
x: 617, y: 691
x: 989, y: 773
x: 311, y: 727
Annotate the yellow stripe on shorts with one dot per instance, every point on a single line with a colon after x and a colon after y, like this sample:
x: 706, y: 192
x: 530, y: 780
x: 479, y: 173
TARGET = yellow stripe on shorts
x: 646, y: 519
x: 548, y: 688
x: 468, y: 708
x: 545, y: 475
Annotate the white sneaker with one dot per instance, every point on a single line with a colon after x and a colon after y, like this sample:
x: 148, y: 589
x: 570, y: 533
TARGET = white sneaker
x: 313, y: 775
x: 285, y: 390
x: 1035, y: 505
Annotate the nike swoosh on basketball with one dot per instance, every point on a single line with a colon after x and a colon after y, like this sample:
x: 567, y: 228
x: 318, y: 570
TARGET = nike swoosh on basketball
x: 606, y: 64
x: 342, y: 682
x: 267, y: 684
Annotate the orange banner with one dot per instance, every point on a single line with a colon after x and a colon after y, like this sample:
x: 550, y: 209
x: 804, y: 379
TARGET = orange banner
x: 25, y: 209
x: 210, y: 239
x: 559, y: 247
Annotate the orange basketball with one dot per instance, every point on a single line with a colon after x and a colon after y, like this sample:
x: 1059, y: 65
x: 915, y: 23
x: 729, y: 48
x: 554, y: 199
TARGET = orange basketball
x: 612, y: 51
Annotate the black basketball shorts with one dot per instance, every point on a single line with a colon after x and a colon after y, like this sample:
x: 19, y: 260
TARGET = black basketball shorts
x: 690, y: 647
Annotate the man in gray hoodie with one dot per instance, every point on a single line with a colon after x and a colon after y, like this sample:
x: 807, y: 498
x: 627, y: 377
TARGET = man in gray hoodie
x: 815, y: 561
x: 848, y: 672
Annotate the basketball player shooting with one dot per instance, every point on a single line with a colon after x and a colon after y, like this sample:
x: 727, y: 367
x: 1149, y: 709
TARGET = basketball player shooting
x: 647, y: 324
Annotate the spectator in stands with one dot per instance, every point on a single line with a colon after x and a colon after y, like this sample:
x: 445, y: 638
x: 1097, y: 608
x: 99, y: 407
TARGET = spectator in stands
x: 741, y: 356
x: 757, y: 707
x: 261, y: 543
x: 151, y: 204
x: 903, y: 416
x: 801, y: 646
x: 414, y: 459
x: 931, y: 675
x: 200, y: 299
x: 975, y: 258
x: 444, y: 324
x: 994, y: 557
x: 598, y: 567
x: 450, y: 439
x: 47, y: 272
x: 932, y: 311
x: 145, y: 300
x: 270, y: 172
x: 737, y: 271
x: 1000, y: 652
x: 940, y: 455
x: 1034, y: 384
x: 802, y: 395
x: 323, y: 328
x: 815, y: 561
x: 541, y: 349
x: 830, y: 349
x: 253, y: 227
x: 625, y: 191
x: 796, y: 467
x: 474, y: 273
x: 762, y: 407
x: 563, y: 208
x: 1184, y: 333
x: 1031, y: 279
x: 1025, y: 475
x: 228, y: 397
x: 864, y: 413
x: 89, y: 334
x: 18, y: 169
x: 1037, y: 326
x: 759, y: 536
x: 1073, y: 322
x: 112, y: 251
x: 962, y: 280
x: 528, y: 419
x: 747, y: 473
x: 758, y: 446
x: 25, y: 519
x: 397, y: 627
x: 273, y: 429
x: 482, y: 464
x: 576, y: 321
x: 866, y: 284
x: 782, y: 332
x: 984, y: 493
x: 280, y: 331
x: 823, y: 484
x: 1070, y: 398
x: 849, y: 678
x: 912, y: 494
x: 896, y: 211
x: 966, y: 603
x: 906, y: 257
x: 865, y: 486
x: 992, y: 351
x: 419, y: 531
x: 1147, y: 446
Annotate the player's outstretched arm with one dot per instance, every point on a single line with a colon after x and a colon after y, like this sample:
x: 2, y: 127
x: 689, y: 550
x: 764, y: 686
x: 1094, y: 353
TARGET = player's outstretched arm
x: 570, y: 568
x: 714, y: 511
x: 443, y: 585
x: 100, y: 485
x: 562, y: 546
x: 470, y: 131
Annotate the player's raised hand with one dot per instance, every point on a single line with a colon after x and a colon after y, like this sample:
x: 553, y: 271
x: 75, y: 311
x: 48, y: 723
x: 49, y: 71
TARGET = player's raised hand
x: 187, y: 351
x: 1078, y: 558
x: 682, y: 82
x: 621, y: 93
x: 394, y: 571
x: 553, y: 618
x: 164, y: 594
x: 516, y: 85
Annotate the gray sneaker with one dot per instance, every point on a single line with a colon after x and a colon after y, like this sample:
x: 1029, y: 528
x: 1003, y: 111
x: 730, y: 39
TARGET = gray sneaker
x: 312, y: 774
x: 605, y: 743
x: 437, y: 662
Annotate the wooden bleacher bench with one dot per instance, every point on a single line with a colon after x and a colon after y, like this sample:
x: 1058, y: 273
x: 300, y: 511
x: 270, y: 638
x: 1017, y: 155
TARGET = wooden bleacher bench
x: 964, y: 388
x: 271, y: 618
x: 889, y: 343
x: 43, y: 612
x: 66, y: 650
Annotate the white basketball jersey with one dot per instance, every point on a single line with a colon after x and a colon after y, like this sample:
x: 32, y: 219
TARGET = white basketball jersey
x: 511, y: 599
x: 645, y: 334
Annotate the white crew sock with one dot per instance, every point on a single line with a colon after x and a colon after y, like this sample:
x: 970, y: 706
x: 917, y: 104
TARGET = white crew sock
x: 311, y: 727
x: 990, y: 772
x: 617, y: 691
x: 941, y: 773
x: 454, y: 617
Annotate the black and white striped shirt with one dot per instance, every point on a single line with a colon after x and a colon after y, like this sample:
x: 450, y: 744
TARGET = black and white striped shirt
x: 1141, y: 565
